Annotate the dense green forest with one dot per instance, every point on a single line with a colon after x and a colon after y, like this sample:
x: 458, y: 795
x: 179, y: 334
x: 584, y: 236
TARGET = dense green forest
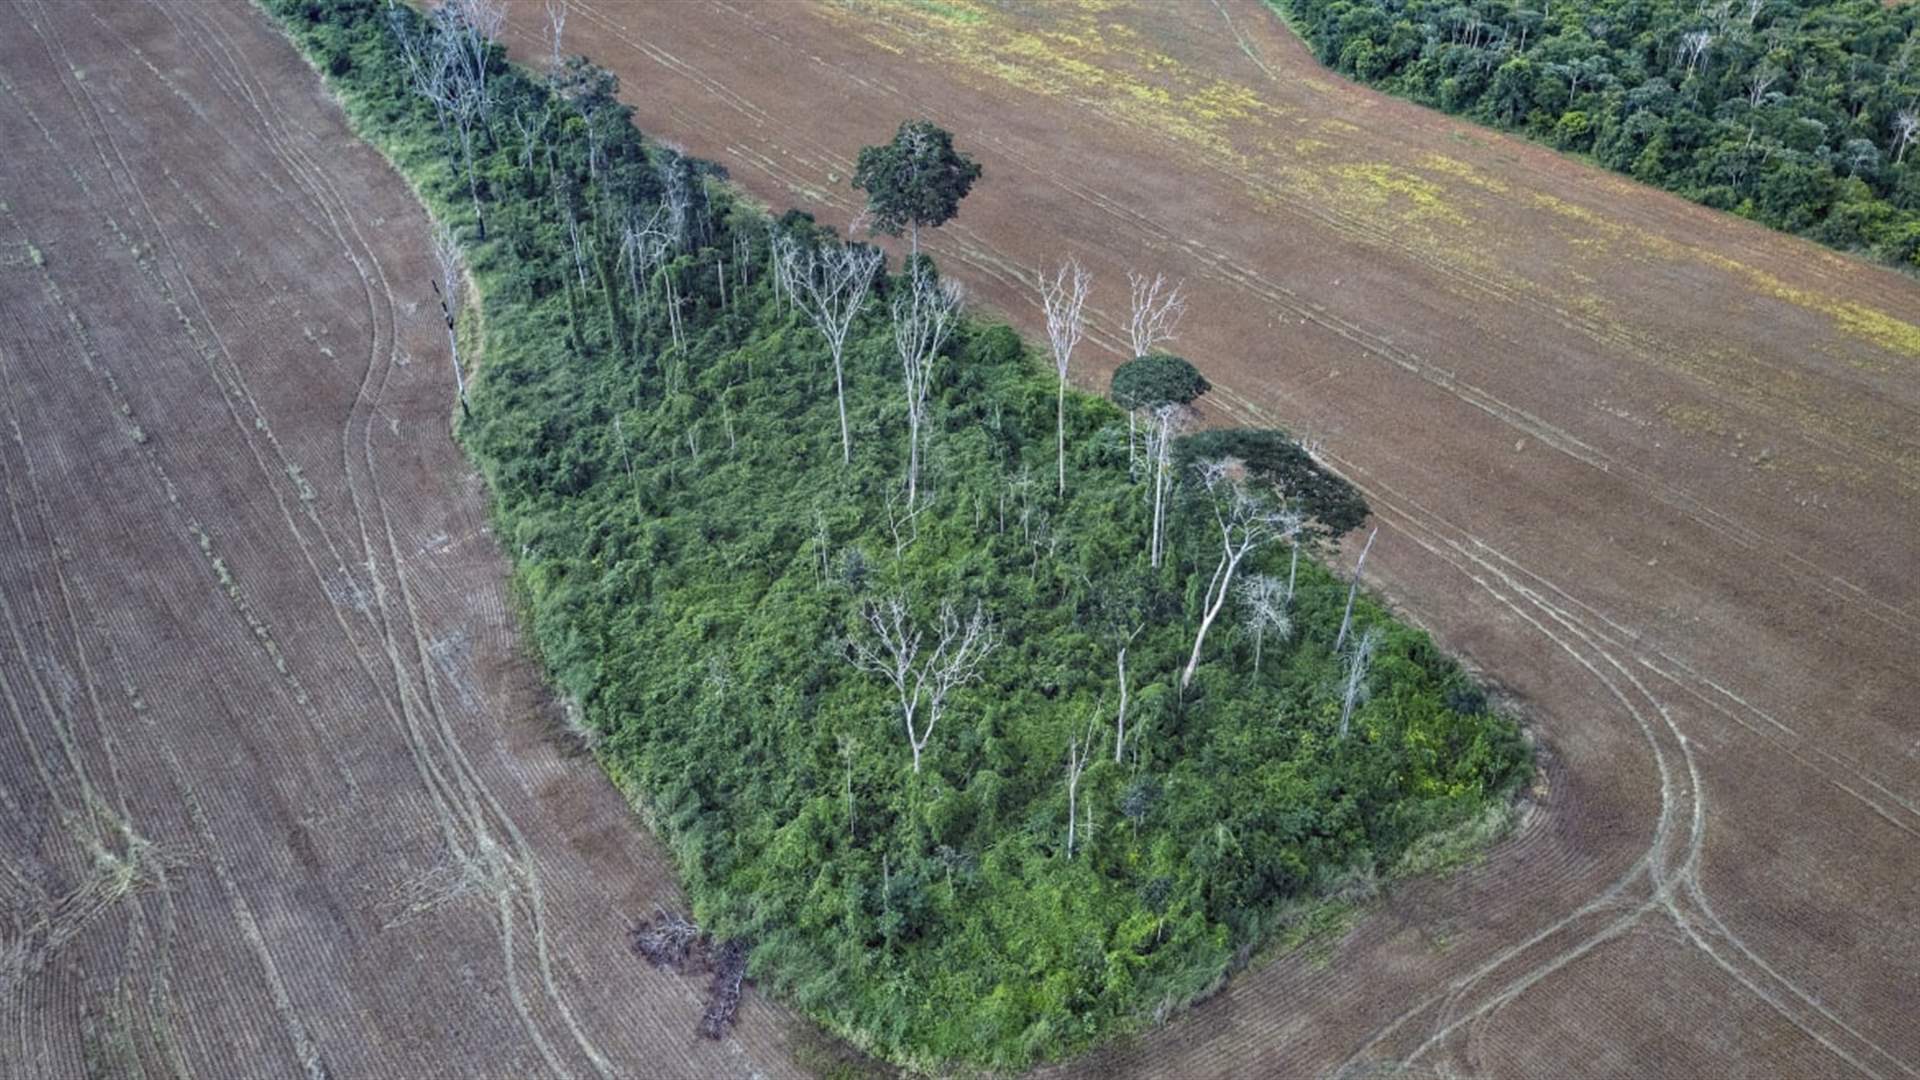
x: 714, y: 573
x: 1796, y: 113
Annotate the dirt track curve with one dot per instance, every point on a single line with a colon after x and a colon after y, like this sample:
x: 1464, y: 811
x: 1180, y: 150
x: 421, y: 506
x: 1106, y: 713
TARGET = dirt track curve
x: 277, y: 785
x: 1654, y: 467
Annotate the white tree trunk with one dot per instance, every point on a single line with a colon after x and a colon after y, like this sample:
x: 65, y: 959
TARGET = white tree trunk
x: 1346, y: 621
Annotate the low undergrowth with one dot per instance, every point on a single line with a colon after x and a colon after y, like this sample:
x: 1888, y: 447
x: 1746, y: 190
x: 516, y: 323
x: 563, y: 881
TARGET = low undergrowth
x: 694, y: 558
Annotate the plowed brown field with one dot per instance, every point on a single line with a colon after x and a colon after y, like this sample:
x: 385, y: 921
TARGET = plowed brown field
x: 1654, y: 468
x: 277, y: 791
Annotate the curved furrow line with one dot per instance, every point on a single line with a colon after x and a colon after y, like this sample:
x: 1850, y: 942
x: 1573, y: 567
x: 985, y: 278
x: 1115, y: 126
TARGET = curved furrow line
x: 450, y: 786
x: 400, y: 701
x: 1790, y: 741
x: 467, y: 777
x: 520, y: 866
x: 1689, y: 925
x: 1685, y: 876
x: 1691, y: 680
x: 1651, y: 861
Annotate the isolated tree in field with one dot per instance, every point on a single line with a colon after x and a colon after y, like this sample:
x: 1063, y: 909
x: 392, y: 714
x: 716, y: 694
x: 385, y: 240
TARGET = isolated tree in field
x: 446, y: 256
x: 1164, y: 387
x: 916, y: 180
x: 1346, y: 620
x: 1246, y: 523
x: 1063, y: 298
x: 1354, y: 688
x: 1263, y: 609
x: 891, y: 646
x: 924, y: 309
x: 830, y: 284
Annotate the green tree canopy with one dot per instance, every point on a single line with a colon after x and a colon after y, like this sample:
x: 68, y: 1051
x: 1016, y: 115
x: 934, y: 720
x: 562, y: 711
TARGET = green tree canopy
x: 1147, y: 382
x: 1273, y: 456
x: 917, y: 179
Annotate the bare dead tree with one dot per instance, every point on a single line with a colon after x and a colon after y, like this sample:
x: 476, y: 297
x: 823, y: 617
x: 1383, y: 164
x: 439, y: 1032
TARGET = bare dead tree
x: 849, y: 749
x: 1263, y: 608
x: 532, y: 135
x: 471, y: 28
x: 780, y: 249
x: 1120, y: 723
x: 626, y: 455
x: 1156, y: 311
x: 742, y: 259
x: 449, y: 288
x: 905, y: 526
x: 1166, y: 421
x: 1355, y: 688
x: 579, y: 242
x: 466, y: 105
x: 1079, y: 752
x: 1346, y: 620
x: 921, y: 680
x: 1154, y: 316
x: 676, y: 197
x: 428, y: 63
x: 830, y: 284
x: 1693, y: 48
x: 556, y: 29
x: 1906, y: 124
x: 1063, y: 298
x: 923, y: 313
x: 1246, y: 523
x: 447, y: 65
x: 1759, y: 81
x: 1293, y: 559
x: 643, y: 244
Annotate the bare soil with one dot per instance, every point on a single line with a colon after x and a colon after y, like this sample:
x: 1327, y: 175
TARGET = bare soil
x: 1653, y: 467
x: 279, y: 789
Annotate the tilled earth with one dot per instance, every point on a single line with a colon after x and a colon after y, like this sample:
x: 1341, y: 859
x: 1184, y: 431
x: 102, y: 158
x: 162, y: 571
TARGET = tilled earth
x: 279, y: 786
x: 1652, y: 468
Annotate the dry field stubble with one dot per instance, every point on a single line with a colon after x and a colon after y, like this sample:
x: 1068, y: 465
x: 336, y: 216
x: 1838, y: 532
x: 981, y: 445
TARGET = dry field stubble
x: 279, y: 789
x: 1653, y: 468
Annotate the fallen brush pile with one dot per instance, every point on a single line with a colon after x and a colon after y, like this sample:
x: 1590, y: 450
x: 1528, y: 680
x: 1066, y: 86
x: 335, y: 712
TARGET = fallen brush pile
x: 670, y: 940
